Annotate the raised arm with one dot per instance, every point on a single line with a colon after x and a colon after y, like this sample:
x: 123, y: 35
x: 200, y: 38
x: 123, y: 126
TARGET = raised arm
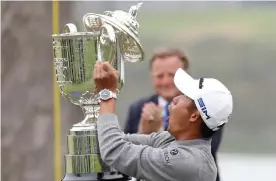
x: 154, y: 139
x: 139, y: 161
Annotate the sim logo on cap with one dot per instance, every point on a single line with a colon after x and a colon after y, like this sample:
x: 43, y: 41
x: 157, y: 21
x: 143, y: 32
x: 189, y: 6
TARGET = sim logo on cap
x: 203, y: 108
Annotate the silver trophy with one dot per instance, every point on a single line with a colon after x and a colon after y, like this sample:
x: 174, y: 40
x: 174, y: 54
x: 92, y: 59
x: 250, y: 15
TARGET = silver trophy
x: 113, y: 37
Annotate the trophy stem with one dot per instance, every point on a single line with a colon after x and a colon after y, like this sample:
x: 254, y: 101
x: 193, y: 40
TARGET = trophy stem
x: 91, y: 112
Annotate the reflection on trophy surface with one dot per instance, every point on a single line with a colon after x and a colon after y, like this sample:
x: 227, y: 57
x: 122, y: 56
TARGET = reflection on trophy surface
x: 113, y: 37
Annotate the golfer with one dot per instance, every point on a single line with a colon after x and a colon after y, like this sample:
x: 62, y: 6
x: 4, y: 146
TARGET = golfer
x: 183, y: 153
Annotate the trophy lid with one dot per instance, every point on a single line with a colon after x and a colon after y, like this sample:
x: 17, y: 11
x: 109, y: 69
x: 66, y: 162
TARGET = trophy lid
x: 126, y: 22
x: 127, y: 19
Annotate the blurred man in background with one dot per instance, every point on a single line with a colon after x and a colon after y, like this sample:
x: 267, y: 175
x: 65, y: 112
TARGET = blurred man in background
x: 149, y: 114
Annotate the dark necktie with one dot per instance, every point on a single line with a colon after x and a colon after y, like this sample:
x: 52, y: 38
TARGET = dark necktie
x: 165, y: 117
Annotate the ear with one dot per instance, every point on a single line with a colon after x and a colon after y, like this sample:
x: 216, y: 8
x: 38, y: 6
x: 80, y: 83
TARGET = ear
x: 194, y: 116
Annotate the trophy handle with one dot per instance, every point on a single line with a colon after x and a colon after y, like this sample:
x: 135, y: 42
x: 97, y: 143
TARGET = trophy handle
x: 107, y: 36
x: 70, y: 28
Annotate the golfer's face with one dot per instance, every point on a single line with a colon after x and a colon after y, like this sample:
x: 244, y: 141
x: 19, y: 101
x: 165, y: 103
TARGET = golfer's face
x: 179, y: 114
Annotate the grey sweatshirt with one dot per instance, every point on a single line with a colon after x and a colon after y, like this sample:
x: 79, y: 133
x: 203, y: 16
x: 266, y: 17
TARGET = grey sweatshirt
x: 154, y: 157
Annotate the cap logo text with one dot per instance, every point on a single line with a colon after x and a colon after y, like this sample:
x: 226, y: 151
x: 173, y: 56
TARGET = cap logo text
x: 203, y: 108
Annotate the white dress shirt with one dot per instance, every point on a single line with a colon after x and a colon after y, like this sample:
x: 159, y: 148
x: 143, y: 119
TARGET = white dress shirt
x: 162, y: 102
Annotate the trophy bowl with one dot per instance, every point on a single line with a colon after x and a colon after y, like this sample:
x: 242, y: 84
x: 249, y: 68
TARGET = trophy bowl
x: 112, y: 37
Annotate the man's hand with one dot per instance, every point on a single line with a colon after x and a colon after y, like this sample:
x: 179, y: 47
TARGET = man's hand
x: 151, y: 119
x: 105, y: 77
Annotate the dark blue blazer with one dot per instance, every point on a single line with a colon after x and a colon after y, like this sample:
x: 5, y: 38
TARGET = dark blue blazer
x: 134, y: 115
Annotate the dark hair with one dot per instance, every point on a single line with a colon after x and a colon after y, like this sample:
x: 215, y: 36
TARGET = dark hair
x: 205, y: 131
x: 164, y: 53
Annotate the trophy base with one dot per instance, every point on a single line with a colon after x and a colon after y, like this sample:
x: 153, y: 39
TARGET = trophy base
x: 95, y: 177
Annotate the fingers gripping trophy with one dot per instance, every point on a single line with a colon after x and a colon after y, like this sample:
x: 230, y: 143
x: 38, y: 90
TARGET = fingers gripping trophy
x: 112, y: 37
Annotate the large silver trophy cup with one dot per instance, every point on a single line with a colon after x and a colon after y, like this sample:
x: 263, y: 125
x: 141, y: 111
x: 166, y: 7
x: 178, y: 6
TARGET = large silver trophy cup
x: 112, y: 37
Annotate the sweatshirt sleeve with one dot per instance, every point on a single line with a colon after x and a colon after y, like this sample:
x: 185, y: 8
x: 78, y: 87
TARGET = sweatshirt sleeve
x: 139, y: 161
x: 139, y: 139
x: 155, y: 139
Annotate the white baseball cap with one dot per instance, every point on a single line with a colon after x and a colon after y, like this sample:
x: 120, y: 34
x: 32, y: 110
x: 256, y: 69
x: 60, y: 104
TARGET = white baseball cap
x: 213, y: 100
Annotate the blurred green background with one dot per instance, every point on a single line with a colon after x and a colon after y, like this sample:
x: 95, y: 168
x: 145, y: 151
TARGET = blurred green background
x: 235, y: 45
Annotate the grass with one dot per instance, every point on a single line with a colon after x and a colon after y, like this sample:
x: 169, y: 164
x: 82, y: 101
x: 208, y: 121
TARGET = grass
x: 258, y: 22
